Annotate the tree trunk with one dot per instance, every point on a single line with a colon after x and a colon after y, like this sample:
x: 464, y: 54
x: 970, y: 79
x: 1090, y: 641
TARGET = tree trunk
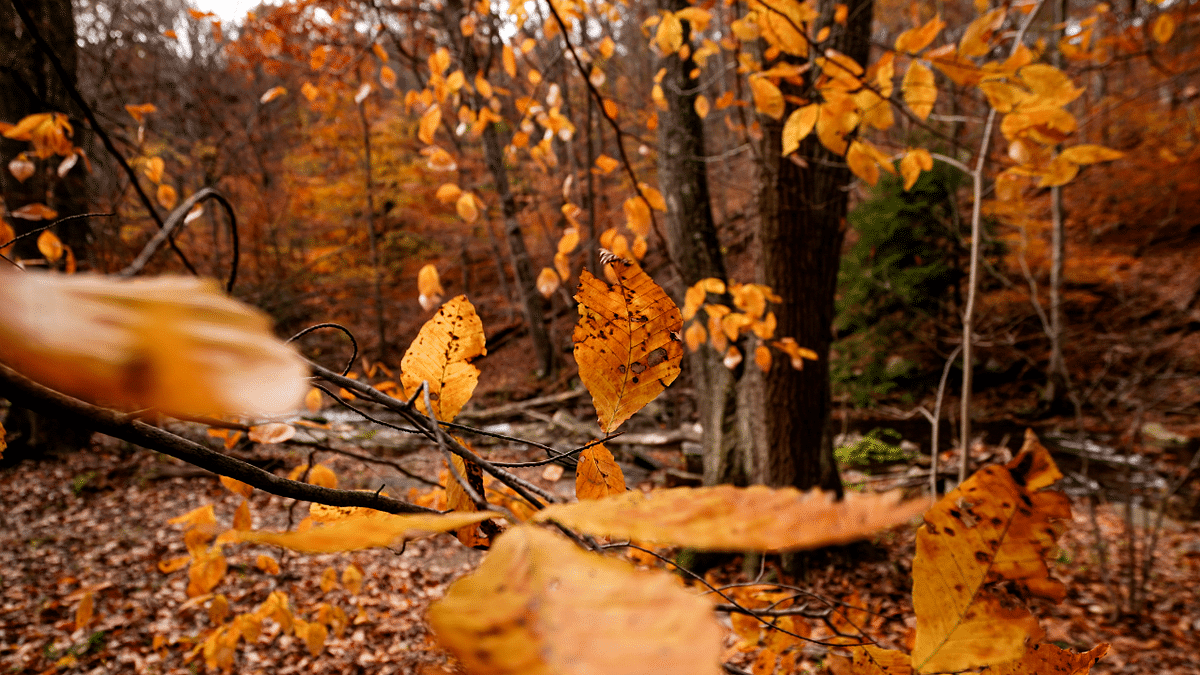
x: 692, y: 240
x: 30, y: 84
x: 802, y: 215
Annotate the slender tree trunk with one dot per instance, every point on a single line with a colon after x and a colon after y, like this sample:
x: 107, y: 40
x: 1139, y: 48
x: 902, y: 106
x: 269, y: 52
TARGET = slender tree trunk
x: 802, y: 216
x: 531, y: 301
x: 692, y: 239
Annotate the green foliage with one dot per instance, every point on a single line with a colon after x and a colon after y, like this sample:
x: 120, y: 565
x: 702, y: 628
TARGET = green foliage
x: 880, y: 446
x: 901, y: 272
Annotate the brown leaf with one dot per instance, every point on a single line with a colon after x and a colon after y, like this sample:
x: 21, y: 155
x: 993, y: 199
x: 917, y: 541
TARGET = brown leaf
x: 538, y: 605
x: 626, y: 342
x: 729, y: 518
x: 995, y: 527
x: 598, y: 474
x: 457, y: 499
x: 1045, y: 659
x: 272, y: 432
x: 441, y: 355
x: 83, y: 613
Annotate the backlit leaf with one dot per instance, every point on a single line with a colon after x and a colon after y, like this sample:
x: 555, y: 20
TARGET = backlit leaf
x: 272, y: 94
x: 267, y: 564
x: 976, y: 40
x: 996, y: 527
x: 914, y: 40
x: 862, y: 164
x: 310, y: 91
x: 626, y: 341
x: 173, y: 344
x: 153, y: 168
x: 207, y: 569
x: 1050, y: 659
x: 429, y: 286
x: 466, y: 207
x: 137, y: 111
x: 323, y: 476
x: 702, y: 106
x: 768, y: 99
x: 377, y: 530
x: 762, y: 358
x: 272, y: 432
x: 509, y: 61
x: 669, y: 37
x: 83, y: 613
x: 598, y: 474
x: 653, y: 197
x: 1164, y: 28
x: 50, y: 246
x: 21, y: 168
x: 387, y: 77
x: 448, y: 193
x: 35, y: 212
x: 313, y: 400
x: 429, y: 124
x: 724, y: 517
x: 637, y: 216
x: 538, y: 605
x: 1090, y: 154
x: 547, y: 282
x: 915, y: 161
x: 799, y: 125
x: 352, y: 578
x: 166, y: 196
x: 174, y: 564
x: 441, y: 355
x: 918, y: 89
x: 237, y: 487
x: 606, y: 164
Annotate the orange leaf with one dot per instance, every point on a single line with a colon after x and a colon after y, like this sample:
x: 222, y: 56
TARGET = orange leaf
x: 547, y: 282
x: 352, y: 578
x: 799, y: 125
x: 1164, y: 28
x: 448, y: 193
x: 273, y: 432
x: 174, y: 564
x: 313, y: 400
x: 669, y: 37
x: 267, y: 564
x: 915, y: 161
x: 1048, y: 658
x: 236, y: 486
x: 166, y: 196
x: 375, y: 530
x: 272, y: 94
x: 429, y: 124
x: 606, y: 164
x: 137, y: 111
x: 724, y: 517
x: 387, y: 77
x: 329, y: 580
x: 457, y: 499
x: 977, y: 38
x: 598, y: 474
x: 21, y: 168
x: 241, y: 517
x: 914, y: 40
x: 539, y: 604
x: 441, y: 355
x: 35, y: 212
x: 466, y: 208
x: 83, y: 613
x: 996, y: 527
x: 919, y: 89
x: 862, y: 164
x: 206, y: 571
x: 768, y: 99
x: 219, y: 609
x: 50, y: 246
x: 1090, y: 154
x: 637, y: 216
x: 626, y: 341
x: 429, y: 286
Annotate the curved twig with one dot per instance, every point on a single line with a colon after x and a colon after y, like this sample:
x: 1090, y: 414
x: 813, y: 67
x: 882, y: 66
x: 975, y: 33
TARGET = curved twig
x: 178, y: 219
x: 330, y: 324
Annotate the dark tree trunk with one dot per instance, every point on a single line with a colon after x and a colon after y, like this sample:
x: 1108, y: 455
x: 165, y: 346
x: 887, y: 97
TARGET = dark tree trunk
x: 802, y: 223
x: 30, y: 84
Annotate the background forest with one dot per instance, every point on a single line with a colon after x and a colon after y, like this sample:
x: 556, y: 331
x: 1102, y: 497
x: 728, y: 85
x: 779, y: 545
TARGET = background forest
x: 848, y: 201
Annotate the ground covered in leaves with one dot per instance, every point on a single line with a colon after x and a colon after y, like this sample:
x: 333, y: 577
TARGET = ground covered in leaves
x: 97, y: 522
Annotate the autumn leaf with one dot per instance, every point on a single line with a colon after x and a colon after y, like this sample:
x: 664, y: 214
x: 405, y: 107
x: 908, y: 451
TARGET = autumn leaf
x: 21, y: 168
x: 207, y: 568
x: 237, y: 487
x: 50, y: 246
x: 429, y: 286
x: 915, y: 161
x: 862, y: 164
x: 626, y: 342
x: 871, y: 660
x: 429, y: 124
x: 273, y: 432
x: 1164, y: 28
x: 996, y: 527
x: 267, y: 564
x: 768, y: 99
x: 458, y: 500
x: 166, y: 196
x: 35, y: 212
x: 547, y: 282
x: 728, y: 518
x: 1090, y: 154
x: 375, y: 530
x: 914, y: 40
x: 352, y: 578
x: 637, y: 216
x: 441, y: 355
x: 538, y: 605
x: 173, y: 344
x: 83, y: 613
x: 272, y: 94
x: 466, y: 207
x: 799, y: 125
x: 138, y: 111
x: 597, y: 474
x: 669, y: 37
x: 1048, y: 658
x: 977, y: 38
x: 918, y: 89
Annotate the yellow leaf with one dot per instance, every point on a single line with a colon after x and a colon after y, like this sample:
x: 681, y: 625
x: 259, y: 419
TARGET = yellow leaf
x: 197, y: 517
x: 976, y: 40
x: 1060, y: 172
x: 466, y: 208
x: 379, y: 51
x: 695, y: 335
x: 166, y: 196
x: 439, y: 61
x: 50, y: 246
x: 458, y: 500
x: 510, y: 61
x: 441, y: 355
x: 272, y: 94
x: 1048, y: 658
x: 626, y: 341
x: 768, y: 99
x: 352, y: 578
x: 1090, y: 154
x: 996, y: 527
x: 607, y: 47
x: 483, y: 86
x: 313, y: 400
x: 174, y: 564
x: 669, y: 37
x: 323, y: 476
x: 538, y: 605
x: 915, y: 161
x: 241, y: 517
x: 448, y: 193
x: 377, y: 530
x: 862, y: 164
x: 273, y: 432
x: 137, y: 111
x: 208, y: 566
x: 702, y: 106
x: 799, y: 125
x: 914, y: 40
x: 1164, y: 28
x: 1051, y: 87
x: 1002, y: 96
x: 387, y: 77
x: 329, y: 579
x: 598, y: 474
x: 237, y: 487
x: 606, y: 164
x: 569, y: 241
x: 547, y: 282
x: 919, y: 90
x: 429, y: 124
x: 83, y: 613
x: 637, y: 216
x: 309, y: 91
x: 762, y: 358
x: 724, y: 517
x: 218, y: 609
x: 873, y: 660
x: 267, y: 564
x: 562, y: 265
x: 429, y: 286
x: 153, y: 168
x: 314, y: 638
x: 653, y: 197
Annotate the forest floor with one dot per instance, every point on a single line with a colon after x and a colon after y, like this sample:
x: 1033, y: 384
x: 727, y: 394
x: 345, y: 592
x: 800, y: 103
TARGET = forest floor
x: 98, y: 521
